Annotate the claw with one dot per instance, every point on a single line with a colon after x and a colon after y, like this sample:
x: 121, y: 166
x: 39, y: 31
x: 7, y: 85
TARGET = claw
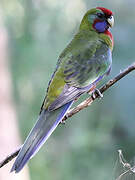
x: 97, y: 92
x: 63, y: 122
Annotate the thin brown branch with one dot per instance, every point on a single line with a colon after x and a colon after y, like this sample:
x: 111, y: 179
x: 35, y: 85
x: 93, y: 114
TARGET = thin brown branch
x: 82, y: 105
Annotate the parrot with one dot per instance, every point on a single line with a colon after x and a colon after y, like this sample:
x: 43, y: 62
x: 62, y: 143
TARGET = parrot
x: 85, y: 61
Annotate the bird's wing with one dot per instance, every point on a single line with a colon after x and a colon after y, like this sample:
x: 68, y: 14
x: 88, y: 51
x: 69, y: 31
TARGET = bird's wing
x: 82, y: 64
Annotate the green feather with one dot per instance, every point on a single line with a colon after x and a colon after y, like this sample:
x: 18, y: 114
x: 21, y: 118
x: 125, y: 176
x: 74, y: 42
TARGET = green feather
x: 83, y: 60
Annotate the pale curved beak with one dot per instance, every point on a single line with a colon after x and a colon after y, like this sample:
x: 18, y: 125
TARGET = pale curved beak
x: 110, y: 21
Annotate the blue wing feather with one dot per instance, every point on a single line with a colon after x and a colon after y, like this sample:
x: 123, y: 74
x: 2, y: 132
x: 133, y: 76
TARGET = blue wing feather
x: 46, y: 124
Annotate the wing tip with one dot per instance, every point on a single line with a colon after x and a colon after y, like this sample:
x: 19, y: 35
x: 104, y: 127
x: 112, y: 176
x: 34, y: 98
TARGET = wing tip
x: 14, y: 169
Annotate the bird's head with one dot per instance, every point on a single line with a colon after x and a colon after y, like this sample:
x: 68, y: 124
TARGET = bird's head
x: 97, y: 19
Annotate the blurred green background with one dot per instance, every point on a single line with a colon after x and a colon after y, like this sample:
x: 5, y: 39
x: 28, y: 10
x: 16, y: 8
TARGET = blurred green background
x: 86, y: 146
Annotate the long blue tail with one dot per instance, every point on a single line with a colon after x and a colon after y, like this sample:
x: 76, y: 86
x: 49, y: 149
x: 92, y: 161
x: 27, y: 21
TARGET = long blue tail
x: 45, y: 125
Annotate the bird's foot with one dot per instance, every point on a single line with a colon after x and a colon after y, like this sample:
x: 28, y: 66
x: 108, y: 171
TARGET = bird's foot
x: 63, y: 122
x: 96, y: 93
x: 91, y: 90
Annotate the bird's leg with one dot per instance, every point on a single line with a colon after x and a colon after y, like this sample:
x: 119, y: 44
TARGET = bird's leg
x: 97, y: 92
x: 91, y: 90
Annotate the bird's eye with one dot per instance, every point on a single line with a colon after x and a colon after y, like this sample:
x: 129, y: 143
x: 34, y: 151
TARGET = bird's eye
x: 100, y: 15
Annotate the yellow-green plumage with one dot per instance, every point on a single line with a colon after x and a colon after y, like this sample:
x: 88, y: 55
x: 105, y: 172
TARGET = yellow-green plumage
x: 83, y: 63
x: 55, y: 88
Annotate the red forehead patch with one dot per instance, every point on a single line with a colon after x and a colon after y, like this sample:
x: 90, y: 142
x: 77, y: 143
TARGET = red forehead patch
x: 106, y: 11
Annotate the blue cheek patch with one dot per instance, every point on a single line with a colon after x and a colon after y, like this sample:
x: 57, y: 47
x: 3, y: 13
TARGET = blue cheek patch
x: 101, y: 26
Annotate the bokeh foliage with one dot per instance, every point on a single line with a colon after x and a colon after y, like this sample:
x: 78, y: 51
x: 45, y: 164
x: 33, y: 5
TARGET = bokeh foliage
x: 84, y: 148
